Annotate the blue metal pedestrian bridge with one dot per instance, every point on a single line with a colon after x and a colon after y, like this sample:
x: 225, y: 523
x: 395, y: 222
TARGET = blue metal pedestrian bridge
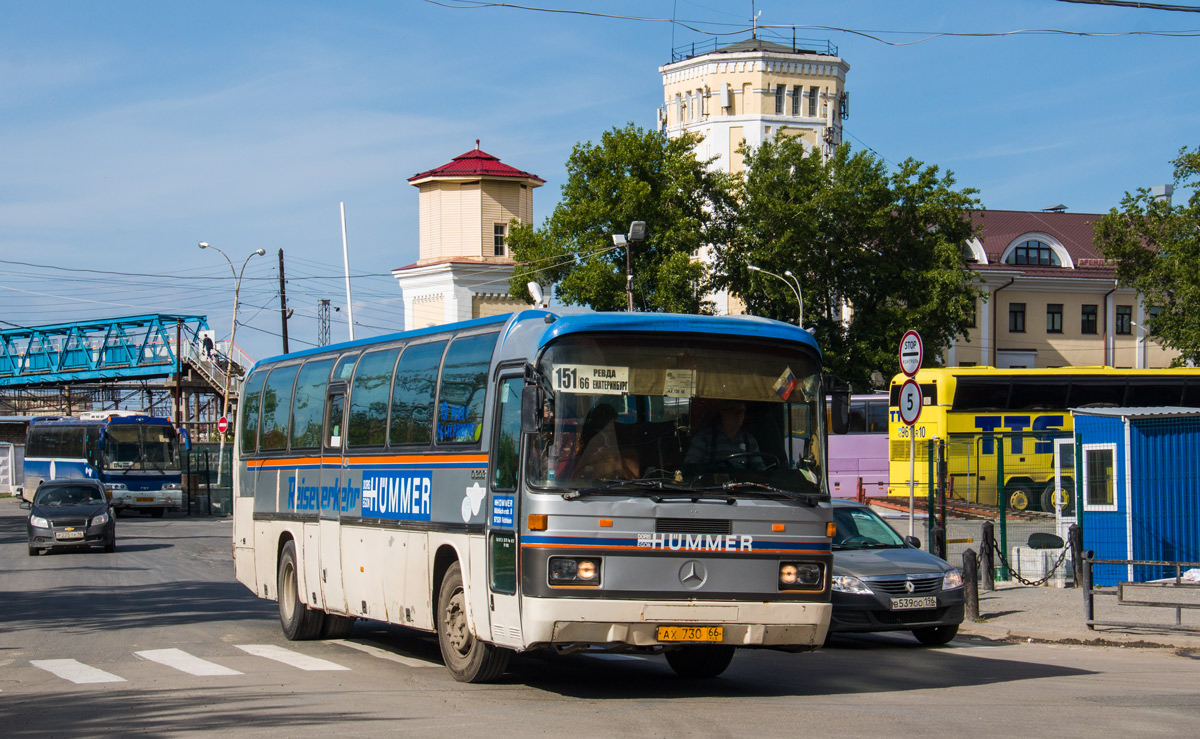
x: 106, y: 350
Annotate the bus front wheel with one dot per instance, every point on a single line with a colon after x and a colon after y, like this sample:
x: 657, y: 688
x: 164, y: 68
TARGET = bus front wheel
x: 298, y: 620
x: 700, y: 662
x: 468, y: 659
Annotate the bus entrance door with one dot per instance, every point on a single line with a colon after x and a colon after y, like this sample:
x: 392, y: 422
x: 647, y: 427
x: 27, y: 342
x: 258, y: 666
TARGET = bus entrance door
x: 333, y: 479
x: 504, y: 481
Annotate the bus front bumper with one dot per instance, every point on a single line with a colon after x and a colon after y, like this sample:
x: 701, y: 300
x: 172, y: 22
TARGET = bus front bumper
x: 615, y: 623
x: 134, y: 499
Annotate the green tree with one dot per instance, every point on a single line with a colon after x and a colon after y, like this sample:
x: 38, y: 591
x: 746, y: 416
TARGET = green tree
x: 631, y: 175
x: 1156, y: 249
x: 888, y: 246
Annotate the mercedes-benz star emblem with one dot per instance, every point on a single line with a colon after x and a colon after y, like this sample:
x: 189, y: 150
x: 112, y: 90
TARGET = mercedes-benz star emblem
x: 692, y: 574
x: 908, y: 586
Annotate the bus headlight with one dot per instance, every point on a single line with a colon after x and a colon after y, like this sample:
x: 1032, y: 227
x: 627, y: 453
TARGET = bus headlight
x: 800, y: 575
x: 113, y: 486
x: 171, y: 486
x: 850, y: 584
x: 575, y: 571
x: 952, y: 579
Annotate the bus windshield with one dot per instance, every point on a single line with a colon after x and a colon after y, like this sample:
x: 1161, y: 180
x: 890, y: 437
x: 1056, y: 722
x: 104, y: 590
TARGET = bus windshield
x: 684, y: 412
x: 139, y: 447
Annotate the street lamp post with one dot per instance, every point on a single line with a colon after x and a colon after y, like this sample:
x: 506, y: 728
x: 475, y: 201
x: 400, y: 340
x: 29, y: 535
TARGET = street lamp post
x: 793, y: 283
x: 637, y: 232
x: 237, y: 287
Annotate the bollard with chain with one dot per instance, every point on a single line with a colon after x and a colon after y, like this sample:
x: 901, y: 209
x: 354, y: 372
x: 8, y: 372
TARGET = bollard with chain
x: 1075, y: 539
x: 1089, y: 612
x: 938, y: 542
x: 987, y: 548
x: 971, y: 583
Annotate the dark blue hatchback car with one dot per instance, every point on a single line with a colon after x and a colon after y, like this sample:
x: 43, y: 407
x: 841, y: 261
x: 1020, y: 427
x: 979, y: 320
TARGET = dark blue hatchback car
x: 70, y: 514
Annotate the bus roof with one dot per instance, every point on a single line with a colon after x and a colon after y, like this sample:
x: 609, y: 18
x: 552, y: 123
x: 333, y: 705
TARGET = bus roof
x: 563, y: 321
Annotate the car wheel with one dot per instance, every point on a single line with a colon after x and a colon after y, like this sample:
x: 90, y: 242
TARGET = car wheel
x: 700, y: 662
x: 299, y: 622
x: 337, y: 627
x: 34, y: 551
x: 110, y: 546
x: 468, y: 659
x: 936, y: 636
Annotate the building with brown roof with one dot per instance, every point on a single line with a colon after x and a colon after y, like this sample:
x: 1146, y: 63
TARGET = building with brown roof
x: 463, y: 266
x: 1051, y: 299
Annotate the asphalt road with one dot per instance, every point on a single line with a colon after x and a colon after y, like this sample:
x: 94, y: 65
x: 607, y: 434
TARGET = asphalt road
x: 159, y: 640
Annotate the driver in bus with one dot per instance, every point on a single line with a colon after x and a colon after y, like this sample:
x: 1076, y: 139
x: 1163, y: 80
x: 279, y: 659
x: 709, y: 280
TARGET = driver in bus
x: 600, y: 454
x: 725, y: 445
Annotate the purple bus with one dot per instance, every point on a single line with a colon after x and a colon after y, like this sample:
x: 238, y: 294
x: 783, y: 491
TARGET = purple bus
x: 861, y: 454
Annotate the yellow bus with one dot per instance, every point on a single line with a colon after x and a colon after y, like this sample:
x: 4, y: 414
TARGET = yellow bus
x: 991, y: 424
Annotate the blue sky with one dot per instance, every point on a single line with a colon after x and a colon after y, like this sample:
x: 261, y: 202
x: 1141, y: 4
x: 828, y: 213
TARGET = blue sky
x: 129, y: 131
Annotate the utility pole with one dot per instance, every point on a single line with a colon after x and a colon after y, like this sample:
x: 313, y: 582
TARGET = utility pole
x: 283, y: 311
x: 323, y: 322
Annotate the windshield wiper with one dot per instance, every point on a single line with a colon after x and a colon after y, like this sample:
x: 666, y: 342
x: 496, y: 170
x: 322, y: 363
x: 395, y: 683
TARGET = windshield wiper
x: 745, y: 486
x: 612, y: 485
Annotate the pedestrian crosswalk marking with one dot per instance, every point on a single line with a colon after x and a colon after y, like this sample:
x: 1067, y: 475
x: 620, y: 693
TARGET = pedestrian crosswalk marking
x: 288, y: 657
x: 383, y: 653
x: 184, y: 662
x: 75, y: 671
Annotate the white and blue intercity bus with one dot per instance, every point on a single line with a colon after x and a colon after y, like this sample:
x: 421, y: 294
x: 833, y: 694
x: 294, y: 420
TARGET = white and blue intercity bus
x: 136, y: 456
x: 549, y: 479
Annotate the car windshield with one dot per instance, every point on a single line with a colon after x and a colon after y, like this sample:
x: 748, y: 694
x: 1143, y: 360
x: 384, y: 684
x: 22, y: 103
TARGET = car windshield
x: 685, y: 413
x: 68, y: 496
x: 862, y: 528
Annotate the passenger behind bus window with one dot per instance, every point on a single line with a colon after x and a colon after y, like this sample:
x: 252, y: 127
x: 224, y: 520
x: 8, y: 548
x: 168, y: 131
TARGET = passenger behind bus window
x: 725, y: 445
x: 600, y: 453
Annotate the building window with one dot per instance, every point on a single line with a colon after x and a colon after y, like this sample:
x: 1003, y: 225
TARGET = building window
x: 1099, y: 477
x: 1054, y: 318
x: 1033, y: 253
x: 1124, y: 319
x: 797, y: 94
x: 1087, y: 323
x: 1016, y: 318
x: 1152, y: 316
x: 499, y: 232
x: 779, y: 96
x: 812, y: 101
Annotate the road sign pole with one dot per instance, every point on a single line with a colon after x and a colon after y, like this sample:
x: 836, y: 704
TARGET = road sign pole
x: 912, y: 477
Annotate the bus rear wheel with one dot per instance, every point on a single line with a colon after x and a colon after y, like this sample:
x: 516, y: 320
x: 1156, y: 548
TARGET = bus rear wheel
x: 299, y: 622
x: 468, y: 659
x: 700, y: 662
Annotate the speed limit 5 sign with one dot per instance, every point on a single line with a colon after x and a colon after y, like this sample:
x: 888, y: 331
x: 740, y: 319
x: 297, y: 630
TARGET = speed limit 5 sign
x: 910, y: 402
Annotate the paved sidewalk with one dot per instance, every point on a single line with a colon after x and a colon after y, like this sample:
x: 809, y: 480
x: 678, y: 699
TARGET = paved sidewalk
x: 1014, y: 611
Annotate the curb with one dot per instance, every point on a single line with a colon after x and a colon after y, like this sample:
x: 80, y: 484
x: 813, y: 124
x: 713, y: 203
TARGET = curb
x: 1089, y: 638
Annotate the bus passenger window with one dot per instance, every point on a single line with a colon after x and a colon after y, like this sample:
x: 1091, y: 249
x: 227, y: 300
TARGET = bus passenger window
x: 333, y: 421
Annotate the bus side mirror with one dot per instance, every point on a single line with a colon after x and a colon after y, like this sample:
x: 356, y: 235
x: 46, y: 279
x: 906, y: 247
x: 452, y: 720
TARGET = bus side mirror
x: 839, y: 407
x: 532, y: 404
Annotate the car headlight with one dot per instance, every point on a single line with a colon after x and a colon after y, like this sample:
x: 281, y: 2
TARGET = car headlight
x: 38, y: 522
x: 800, y: 575
x: 850, y: 584
x: 102, y: 518
x: 575, y: 571
x: 952, y: 579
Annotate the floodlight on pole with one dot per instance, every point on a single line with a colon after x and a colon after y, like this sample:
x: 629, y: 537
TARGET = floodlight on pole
x: 637, y: 232
x: 237, y: 287
x: 795, y: 288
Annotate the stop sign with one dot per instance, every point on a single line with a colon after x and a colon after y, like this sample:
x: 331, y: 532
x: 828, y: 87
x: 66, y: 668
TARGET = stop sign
x: 223, y: 424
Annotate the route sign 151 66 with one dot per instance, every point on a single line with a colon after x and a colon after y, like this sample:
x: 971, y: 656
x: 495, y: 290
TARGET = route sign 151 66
x: 910, y: 401
x: 912, y: 353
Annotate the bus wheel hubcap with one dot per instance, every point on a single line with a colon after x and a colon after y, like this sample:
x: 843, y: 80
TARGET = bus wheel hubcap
x: 456, y: 625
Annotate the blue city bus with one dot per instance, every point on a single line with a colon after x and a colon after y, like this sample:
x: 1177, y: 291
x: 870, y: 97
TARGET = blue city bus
x: 136, y: 456
x: 531, y: 482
